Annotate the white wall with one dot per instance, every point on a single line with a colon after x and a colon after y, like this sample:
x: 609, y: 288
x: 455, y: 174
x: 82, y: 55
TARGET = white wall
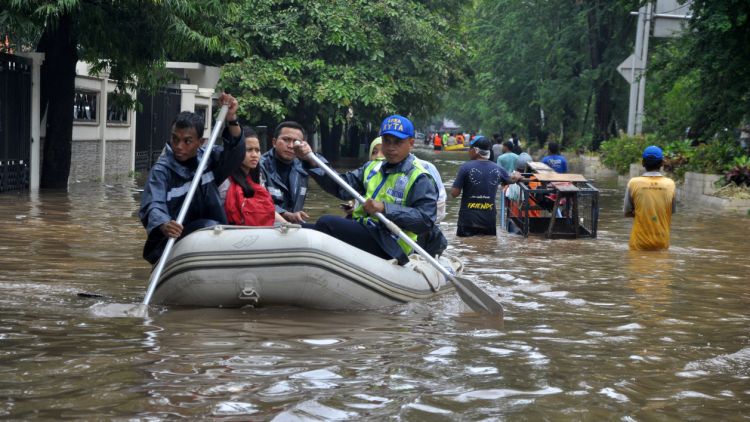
x: 102, y: 149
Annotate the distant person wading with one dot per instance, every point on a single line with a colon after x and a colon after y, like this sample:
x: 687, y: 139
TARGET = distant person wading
x: 650, y: 200
x: 476, y: 182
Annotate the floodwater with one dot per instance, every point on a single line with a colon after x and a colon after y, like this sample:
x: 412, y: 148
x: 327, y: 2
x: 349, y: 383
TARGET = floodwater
x: 591, y: 330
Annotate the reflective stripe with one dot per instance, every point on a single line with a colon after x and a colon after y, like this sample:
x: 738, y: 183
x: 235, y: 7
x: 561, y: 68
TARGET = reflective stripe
x: 182, y: 190
x: 275, y: 192
x: 373, y: 172
x: 397, y: 186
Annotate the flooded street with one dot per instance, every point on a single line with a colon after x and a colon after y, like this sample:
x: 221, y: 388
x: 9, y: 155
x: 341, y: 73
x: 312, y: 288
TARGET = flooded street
x: 592, y: 331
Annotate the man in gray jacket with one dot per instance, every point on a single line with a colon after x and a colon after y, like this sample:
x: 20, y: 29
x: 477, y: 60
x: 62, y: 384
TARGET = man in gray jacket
x: 170, y: 179
x: 286, y: 176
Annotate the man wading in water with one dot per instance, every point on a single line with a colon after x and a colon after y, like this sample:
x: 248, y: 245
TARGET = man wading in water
x: 650, y: 200
x: 478, y: 179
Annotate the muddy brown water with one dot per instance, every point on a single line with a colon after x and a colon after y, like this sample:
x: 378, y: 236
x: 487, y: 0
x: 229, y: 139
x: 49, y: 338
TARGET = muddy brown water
x: 591, y: 332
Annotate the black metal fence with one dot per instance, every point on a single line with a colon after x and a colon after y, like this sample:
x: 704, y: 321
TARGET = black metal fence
x: 15, y: 122
x: 152, y: 129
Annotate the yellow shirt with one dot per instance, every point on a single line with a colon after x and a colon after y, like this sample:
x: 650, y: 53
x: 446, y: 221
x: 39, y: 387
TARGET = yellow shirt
x: 651, y: 199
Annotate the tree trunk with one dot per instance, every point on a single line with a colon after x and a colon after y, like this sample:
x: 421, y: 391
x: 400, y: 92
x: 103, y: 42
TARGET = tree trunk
x: 355, y: 138
x: 58, y: 74
x: 330, y: 136
x: 305, y: 116
x: 325, y: 137
x: 602, y: 115
x: 537, y: 132
x: 335, y: 141
x: 600, y: 33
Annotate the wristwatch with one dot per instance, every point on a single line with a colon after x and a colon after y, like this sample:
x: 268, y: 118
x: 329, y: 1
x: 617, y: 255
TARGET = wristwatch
x: 233, y: 122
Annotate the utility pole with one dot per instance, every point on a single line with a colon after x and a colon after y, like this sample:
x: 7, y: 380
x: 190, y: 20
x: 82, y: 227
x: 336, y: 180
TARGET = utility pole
x: 668, y: 21
x: 638, y: 78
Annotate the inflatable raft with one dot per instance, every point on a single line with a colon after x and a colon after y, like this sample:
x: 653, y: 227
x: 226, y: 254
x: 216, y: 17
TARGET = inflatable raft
x: 230, y: 266
x: 456, y: 147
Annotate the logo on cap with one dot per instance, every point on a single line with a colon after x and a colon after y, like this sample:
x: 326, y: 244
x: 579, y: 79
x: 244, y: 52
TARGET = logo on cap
x: 397, y: 126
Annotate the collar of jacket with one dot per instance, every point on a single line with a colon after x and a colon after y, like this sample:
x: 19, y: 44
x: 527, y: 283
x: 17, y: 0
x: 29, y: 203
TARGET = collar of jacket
x: 270, y: 155
x: 402, y: 167
x: 167, y: 160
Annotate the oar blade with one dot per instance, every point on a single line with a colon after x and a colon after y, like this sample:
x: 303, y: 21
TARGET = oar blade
x: 477, y: 299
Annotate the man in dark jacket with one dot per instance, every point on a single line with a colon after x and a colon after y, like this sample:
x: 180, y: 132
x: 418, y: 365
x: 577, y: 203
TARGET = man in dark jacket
x: 170, y: 178
x: 286, y: 176
x: 478, y: 180
x: 399, y: 187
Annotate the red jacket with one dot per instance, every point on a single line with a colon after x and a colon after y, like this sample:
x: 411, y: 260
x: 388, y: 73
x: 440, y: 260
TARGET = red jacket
x: 256, y: 211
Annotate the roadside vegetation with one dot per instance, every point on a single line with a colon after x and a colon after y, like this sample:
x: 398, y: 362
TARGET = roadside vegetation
x: 720, y: 155
x: 547, y: 70
x: 544, y: 69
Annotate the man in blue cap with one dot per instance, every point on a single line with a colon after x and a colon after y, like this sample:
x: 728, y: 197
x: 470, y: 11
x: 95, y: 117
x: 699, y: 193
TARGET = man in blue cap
x: 399, y: 187
x: 478, y: 179
x: 650, y: 200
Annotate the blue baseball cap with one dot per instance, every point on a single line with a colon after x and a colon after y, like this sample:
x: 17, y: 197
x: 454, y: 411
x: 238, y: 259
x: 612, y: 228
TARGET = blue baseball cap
x: 480, y: 142
x: 653, y: 153
x: 398, y: 126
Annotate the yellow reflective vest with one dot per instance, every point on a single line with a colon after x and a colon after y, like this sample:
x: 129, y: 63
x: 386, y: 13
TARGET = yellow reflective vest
x: 392, y: 189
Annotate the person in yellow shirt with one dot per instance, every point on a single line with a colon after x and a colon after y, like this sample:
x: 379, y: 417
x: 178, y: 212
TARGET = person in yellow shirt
x: 650, y: 200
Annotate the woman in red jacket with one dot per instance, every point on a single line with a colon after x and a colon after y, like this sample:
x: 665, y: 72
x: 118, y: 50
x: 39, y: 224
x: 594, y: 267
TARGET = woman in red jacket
x: 248, y: 203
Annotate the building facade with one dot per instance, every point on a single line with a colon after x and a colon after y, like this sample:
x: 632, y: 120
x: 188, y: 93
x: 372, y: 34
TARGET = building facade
x: 107, y: 140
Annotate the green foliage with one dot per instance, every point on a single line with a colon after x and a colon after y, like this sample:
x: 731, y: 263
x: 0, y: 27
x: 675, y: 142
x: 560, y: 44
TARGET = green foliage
x: 672, y: 93
x: 314, y: 60
x: 679, y: 156
x: 714, y: 156
x: 738, y: 172
x: 619, y: 153
x: 691, y: 74
x: 130, y: 39
x: 543, y: 67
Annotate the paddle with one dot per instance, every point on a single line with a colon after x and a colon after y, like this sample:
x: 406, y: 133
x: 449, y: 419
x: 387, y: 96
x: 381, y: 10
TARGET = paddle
x: 186, y: 204
x: 476, y: 298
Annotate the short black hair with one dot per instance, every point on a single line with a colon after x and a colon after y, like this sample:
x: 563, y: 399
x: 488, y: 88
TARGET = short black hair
x: 509, y: 145
x: 554, y: 148
x: 248, y: 132
x: 652, y: 164
x: 289, y: 124
x: 187, y: 120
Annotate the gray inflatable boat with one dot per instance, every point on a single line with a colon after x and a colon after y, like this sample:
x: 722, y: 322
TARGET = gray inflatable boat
x: 231, y: 266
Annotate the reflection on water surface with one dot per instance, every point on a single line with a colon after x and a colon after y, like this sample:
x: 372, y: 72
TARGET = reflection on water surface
x: 592, y: 330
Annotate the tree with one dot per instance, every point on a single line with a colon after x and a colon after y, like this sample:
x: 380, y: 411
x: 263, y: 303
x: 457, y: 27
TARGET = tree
x: 704, y: 75
x: 130, y: 38
x: 671, y: 92
x: 548, y: 66
x: 314, y: 61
